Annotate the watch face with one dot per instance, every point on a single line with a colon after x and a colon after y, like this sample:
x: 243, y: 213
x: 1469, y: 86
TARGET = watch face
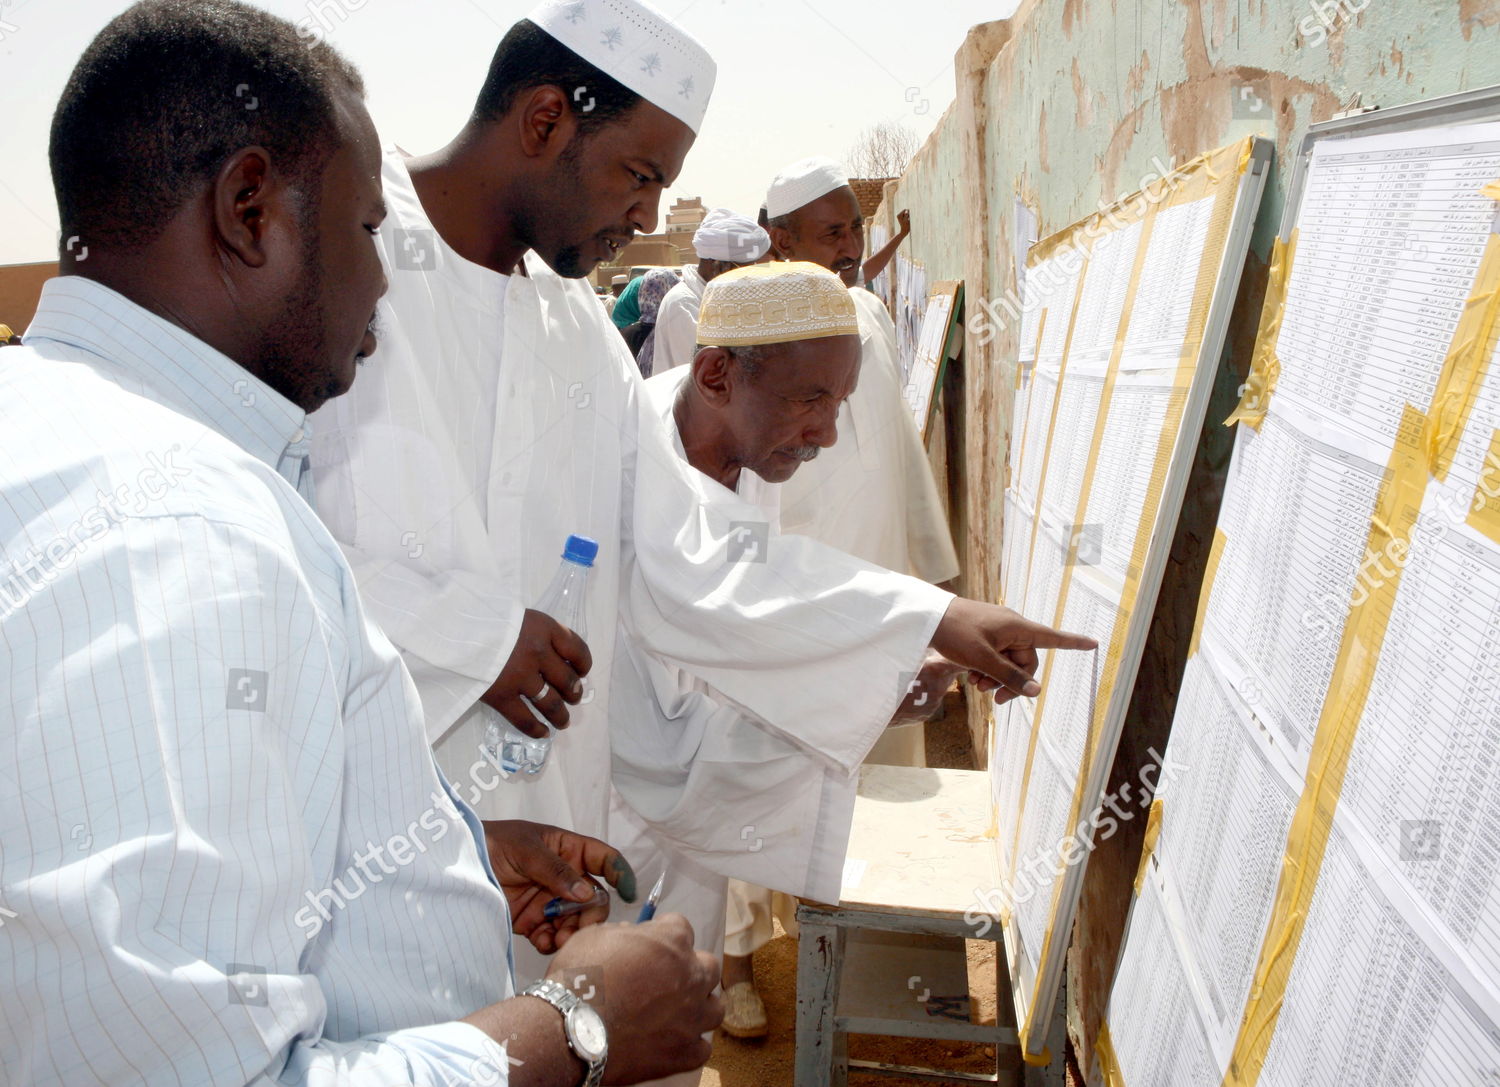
x: 587, y: 1032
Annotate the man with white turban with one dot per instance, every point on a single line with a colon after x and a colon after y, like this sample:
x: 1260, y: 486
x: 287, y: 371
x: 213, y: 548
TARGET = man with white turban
x: 506, y: 414
x: 724, y: 241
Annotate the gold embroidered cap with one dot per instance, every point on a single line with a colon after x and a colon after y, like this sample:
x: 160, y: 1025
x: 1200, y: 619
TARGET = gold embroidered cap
x: 778, y: 302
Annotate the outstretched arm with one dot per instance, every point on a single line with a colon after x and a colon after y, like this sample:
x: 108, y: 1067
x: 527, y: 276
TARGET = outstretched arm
x: 876, y: 264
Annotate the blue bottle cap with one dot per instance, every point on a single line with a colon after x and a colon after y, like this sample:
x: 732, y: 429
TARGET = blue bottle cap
x: 580, y: 549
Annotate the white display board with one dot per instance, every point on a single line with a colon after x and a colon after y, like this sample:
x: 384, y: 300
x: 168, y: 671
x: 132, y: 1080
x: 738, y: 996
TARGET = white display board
x: 1122, y: 333
x: 1322, y: 902
x: 926, y: 366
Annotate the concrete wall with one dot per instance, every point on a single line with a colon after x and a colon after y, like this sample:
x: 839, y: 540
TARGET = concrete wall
x: 1069, y: 105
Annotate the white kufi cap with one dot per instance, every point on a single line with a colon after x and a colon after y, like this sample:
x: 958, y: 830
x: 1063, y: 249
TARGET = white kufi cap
x: 803, y: 182
x: 638, y: 46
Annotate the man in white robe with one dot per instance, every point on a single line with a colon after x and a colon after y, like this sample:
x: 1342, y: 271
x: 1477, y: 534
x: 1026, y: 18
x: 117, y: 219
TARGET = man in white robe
x: 871, y: 495
x: 505, y: 414
x: 723, y: 241
x: 780, y: 353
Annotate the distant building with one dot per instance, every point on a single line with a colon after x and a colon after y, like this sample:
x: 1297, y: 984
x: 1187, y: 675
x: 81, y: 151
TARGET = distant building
x: 21, y: 290
x: 683, y: 220
x: 671, y: 248
x: 869, y: 191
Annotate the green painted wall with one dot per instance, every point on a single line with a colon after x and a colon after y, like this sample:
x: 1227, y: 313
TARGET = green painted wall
x: 1070, y: 104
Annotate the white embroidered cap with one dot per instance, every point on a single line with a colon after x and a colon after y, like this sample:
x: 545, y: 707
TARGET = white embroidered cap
x: 635, y: 44
x: 803, y: 182
x: 775, y: 303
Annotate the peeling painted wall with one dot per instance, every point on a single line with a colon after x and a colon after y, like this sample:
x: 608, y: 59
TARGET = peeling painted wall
x: 1069, y: 105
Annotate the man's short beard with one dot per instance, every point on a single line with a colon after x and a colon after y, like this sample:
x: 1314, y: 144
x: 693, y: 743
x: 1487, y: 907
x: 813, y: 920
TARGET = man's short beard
x: 569, y: 261
x: 291, y: 350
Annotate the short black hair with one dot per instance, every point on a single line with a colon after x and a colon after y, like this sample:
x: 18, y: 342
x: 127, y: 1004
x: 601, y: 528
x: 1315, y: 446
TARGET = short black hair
x: 171, y: 89
x: 787, y: 222
x: 528, y: 57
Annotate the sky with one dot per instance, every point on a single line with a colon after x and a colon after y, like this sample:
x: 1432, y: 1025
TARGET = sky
x: 796, y: 78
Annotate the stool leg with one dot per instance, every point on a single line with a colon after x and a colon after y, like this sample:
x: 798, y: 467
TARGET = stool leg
x: 821, y: 1058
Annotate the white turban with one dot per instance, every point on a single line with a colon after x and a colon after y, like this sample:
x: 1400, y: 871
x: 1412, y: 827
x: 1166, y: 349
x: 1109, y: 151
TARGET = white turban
x: 723, y: 235
x: 634, y: 44
x: 803, y: 182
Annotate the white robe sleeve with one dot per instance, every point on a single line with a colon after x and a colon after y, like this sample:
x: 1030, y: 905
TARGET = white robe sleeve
x: 724, y: 790
x: 808, y: 639
x: 676, y: 330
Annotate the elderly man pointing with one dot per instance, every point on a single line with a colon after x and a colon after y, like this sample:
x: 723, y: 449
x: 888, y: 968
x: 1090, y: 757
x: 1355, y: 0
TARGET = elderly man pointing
x: 779, y: 353
x: 724, y: 241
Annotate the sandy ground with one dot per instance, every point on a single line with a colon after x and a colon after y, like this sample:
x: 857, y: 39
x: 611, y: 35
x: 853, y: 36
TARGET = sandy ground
x: 767, y: 1062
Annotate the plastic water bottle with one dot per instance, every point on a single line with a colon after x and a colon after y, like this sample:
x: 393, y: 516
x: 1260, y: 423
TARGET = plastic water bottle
x: 505, y: 745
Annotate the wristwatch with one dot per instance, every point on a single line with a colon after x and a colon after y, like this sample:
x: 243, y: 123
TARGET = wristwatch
x: 585, y: 1029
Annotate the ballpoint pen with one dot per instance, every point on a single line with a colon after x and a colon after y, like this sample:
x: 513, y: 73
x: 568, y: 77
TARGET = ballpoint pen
x: 648, y: 911
x: 558, y: 908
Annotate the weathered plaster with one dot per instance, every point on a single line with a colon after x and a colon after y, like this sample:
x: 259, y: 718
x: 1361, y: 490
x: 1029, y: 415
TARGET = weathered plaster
x: 1067, y: 104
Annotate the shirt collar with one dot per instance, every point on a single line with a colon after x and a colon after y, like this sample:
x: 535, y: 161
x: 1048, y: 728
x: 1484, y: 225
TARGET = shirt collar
x: 179, y: 369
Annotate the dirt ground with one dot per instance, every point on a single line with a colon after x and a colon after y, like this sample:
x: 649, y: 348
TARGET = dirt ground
x: 767, y: 1062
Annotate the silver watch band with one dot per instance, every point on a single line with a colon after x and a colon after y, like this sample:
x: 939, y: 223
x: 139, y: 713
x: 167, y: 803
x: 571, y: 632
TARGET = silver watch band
x: 561, y: 998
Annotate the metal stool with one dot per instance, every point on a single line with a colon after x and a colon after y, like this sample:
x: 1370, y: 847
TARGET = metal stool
x: 918, y: 853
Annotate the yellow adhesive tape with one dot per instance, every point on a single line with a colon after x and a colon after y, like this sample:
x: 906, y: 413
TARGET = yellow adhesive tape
x: 1038, y: 1060
x: 1109, y: 1063
x: 1193, y: 180
x: 1265, y: 367
x: 1465, y: 365
x: 1396, y: 510
x: 1148, y: 847
x: 1484, y: 511
x: 1215, y: 553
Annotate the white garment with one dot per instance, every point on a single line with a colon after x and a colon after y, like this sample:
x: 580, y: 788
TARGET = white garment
x: 872, y: 493
x: 463, y: 458
x: 677, y: 323
x: 727, y: 791
x: 225, y: 853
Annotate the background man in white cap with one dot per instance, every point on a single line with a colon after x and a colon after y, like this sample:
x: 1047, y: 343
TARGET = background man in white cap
x: 723, y: 241
x: 617, y: 285
x: 506, y: 414
x: 873, y: 494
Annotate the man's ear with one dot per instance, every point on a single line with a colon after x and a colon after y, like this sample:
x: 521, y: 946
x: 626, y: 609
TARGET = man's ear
x: 781, y: 241
x: 546, y: 123
x: 248, y: 199
x: 711, y: 374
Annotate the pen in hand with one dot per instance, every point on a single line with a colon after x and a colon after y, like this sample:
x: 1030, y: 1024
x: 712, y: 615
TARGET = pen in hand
x: 648, y: 911
x: 558, y: 908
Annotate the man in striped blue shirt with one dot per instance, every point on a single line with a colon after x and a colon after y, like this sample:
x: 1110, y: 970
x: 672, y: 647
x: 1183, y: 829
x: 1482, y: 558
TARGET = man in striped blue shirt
x: 226, y: 852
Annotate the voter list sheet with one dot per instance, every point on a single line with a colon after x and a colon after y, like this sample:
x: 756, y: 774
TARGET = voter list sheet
x: 1396, y: 968
x: 1096, y: 423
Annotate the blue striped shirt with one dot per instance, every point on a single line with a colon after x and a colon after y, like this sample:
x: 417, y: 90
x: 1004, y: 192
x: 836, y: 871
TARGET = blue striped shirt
x: 226, y: 853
